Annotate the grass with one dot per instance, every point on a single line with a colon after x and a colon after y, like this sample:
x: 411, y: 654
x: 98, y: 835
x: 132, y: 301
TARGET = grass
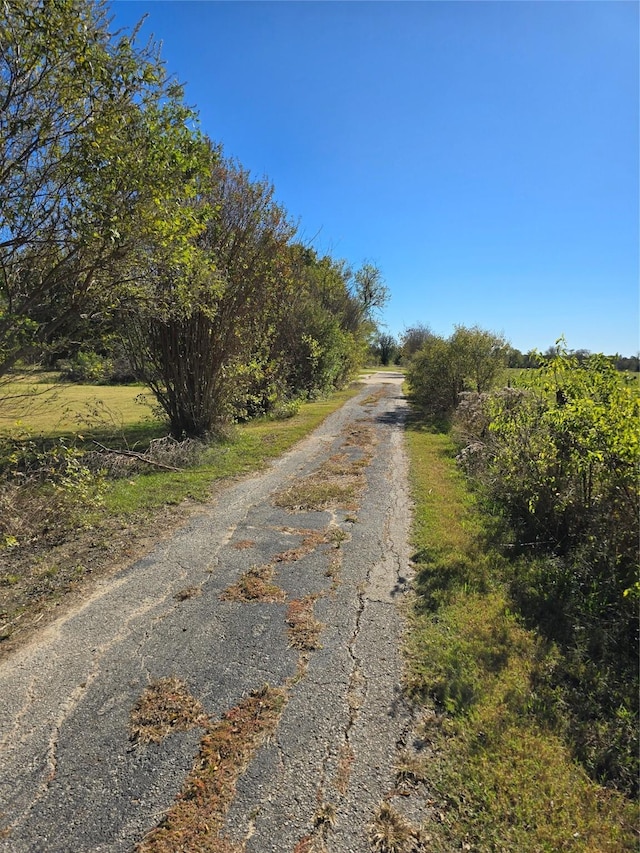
x: 248, y: 449
x: 256, y: 584
x: 391, y: 832
x: 102, y: 528
x: 303, y: 629
x: 500, y: 777
x: 195, y: 820
x: 54, y: 409
x: 165, y: 706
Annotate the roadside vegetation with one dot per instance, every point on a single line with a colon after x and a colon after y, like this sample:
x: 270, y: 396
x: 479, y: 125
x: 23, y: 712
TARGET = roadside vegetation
x: 144, y: 265
x: 522, y: 648
x: 70, y: 511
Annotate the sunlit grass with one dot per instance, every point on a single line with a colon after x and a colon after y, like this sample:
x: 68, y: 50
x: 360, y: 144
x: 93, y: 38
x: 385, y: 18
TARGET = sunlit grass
x: 56, y: 409
x: 249, y: 447
x: 501, y: 779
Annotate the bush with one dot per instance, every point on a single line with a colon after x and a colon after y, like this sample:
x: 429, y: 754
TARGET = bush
x: 85, y: 368
x: 471, y: 359
x: 558, y: 458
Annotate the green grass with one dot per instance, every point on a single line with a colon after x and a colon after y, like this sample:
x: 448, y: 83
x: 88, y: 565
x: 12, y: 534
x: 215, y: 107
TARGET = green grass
x: 121, y: 416
x: 54, y: 409
x: 249, y: 448
x: 502, y: 780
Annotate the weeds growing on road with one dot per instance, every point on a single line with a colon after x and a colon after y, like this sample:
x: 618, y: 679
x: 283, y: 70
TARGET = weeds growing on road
x: 166, y: 706
x: 303, y: 628
x: 195, y: 820
x: 52, y: 539
x: 256, y: 584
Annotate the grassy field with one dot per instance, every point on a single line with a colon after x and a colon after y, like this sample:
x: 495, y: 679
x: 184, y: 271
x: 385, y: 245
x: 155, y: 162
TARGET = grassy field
x: 501, y: 779
x: 50, y: 408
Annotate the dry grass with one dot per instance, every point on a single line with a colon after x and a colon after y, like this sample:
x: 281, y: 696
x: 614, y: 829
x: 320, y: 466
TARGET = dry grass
x: 255, y: 585
x: 391, y: 832
x: 410, y: 769
x: 166, y: 706
x: 333, y: 570
x: 317, y: 493
x: 359, y: 434
x: 374, y: 398
x: 346, y: 758
x: 311, y: 540
x: 303, y: 628
x: 188, y: 592
x: 195, y: 820
x: 336, y: 484
x: 323, y: 822
x: 243, y: 544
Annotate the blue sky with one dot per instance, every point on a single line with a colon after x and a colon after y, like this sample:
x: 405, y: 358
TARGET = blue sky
x: 484, y: 155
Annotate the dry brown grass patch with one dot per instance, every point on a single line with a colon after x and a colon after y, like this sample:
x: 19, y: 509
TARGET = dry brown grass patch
x: 188, y: 592
x: 312, y: 539
x: 391, y: 832
x: 343, y: 773
x: 374, y: 398
x: 165, y: 706
x: 304, y: 629
x: 361, y: 435
x: 195, y: 820
x: 317, y: 493
x: 256, y: 584
x: 243, y: 544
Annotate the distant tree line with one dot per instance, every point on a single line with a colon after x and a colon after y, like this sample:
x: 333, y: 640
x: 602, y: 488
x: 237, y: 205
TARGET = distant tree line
x: 534, y: 359
x: 132, y: 247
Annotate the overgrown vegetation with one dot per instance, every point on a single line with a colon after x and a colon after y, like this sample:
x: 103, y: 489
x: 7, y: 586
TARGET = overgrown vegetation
x: 558, y: 459
x: 442, y: 368
x: 523, y: 642
x: 195, y: 820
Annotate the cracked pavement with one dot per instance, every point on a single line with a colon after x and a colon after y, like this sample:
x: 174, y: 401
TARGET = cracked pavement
x: 71, y: 778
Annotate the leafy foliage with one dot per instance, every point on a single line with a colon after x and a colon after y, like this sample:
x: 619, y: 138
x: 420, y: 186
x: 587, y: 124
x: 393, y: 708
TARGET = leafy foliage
x: 559, y: 458
x: 442, y: 369
x: 497, y: 742
x: 95, y: 158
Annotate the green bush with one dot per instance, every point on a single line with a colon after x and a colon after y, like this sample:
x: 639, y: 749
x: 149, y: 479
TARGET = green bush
x: 87, y: 368
x: 558, y: 458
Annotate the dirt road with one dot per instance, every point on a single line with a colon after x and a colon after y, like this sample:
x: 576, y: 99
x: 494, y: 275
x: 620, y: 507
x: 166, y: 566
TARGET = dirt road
x: 292, y: 579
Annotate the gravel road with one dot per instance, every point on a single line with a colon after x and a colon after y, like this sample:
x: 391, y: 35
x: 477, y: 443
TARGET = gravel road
x: 71, y: 776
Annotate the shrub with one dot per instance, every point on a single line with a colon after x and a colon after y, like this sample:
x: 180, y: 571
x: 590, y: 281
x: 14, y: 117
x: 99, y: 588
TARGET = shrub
x: 85, y: 368
x: 558, y: 458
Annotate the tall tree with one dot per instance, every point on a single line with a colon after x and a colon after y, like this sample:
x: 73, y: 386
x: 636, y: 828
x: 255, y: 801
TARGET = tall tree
x: 320, y: 340
x: 95, y: 156
x: 414, y: 338
x: 200, y: 342
x: 385, y: 348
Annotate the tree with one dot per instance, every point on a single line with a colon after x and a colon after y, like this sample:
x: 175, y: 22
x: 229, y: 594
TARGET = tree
x: 432, y: 375
x: 479, y: 356
x: 320, y: 340
x: 96, y: 158
x: 471, y: 359
x: 370, y: 288
x: 386, y: 348
x: 414, y: 338
x: 201, y: 343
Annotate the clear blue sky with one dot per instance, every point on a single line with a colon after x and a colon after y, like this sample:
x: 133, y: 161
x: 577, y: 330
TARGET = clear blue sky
x: 484, y: 155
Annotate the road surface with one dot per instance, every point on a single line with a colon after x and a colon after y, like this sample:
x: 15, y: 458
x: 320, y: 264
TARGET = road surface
x: 323, y: 530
